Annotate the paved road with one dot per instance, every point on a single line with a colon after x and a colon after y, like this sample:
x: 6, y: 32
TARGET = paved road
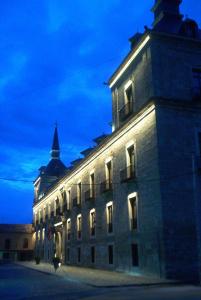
x: 19, y: 283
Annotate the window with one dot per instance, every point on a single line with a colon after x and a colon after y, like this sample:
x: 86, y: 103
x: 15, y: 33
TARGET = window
x: 197, y: 83
x: 79, y: 193
x: 7, y: 244
x: 108, y: 173
x: 25, y: 243
x: 134, y: 254
x: 68, y: 254
x: 127, y: 108
x: 93, y: 254
x: 63, y: 195
x: 92, y: 222
x: 133, y: 212
x: 92, y: 186
x: 68, y: 199
x: 57, y: 207
x: 110, y: 254
x: 109, y: 217
x: 129, y: 172
x: 79, y: 227
x: 68, y: 229
x: 79, y: 254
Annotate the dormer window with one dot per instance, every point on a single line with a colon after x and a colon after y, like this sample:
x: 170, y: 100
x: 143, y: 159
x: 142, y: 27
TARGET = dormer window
x: 127, y: 108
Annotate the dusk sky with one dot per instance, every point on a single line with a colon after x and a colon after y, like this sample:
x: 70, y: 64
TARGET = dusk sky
x: 55, y: 57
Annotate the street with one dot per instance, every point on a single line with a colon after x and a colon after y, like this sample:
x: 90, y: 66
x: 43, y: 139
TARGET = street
x: 18, y: 282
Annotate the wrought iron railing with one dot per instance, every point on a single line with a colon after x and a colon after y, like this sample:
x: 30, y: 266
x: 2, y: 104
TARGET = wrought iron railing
x: 89, y: 195
x: 127, y: 174
x: 105, y: 186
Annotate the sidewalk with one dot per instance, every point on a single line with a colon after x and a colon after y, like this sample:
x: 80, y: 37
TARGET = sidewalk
x: 97, y: 278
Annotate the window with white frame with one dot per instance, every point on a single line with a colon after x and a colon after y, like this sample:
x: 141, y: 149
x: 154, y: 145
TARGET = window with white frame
x: 130, y: 157
x: 68, y: 199
x: 109, y: 213
x: 108, y: 174
x: 68, y: 229
x: 92, y: 185
x: 133, y: 211
x: 79, y: 193
x: 92, y: 216
x: 79, y: 227
x: 127, y: 108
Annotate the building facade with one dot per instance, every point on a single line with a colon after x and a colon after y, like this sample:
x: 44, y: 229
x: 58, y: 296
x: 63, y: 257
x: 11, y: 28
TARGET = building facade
x: 133, y: 202
x: 17, y: 242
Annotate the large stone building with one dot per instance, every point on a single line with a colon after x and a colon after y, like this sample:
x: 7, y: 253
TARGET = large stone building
x: 133, y: 202
x: 17, y: 242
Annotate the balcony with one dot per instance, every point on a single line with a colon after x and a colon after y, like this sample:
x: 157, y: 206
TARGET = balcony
x: 106, y: 186
x: 196, y: 94
x: 133, y: 224
x: 126, y: 111
x: 89, y: 195
x: 127, y: 174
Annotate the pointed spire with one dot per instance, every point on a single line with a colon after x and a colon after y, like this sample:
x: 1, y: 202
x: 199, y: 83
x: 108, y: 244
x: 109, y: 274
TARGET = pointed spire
x: 55, y: 152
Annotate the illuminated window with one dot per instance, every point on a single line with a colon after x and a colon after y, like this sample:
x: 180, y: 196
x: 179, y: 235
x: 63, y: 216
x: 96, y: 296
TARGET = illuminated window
x: 92, y: 222
x: 132, y: 201
x: 68, y: 229
x: 127, y: 108
x: 57, y: 205
x: 92, y: 185
x: 109, y: 213
x: 79, y: 227
x: 129, y: 172
x: 79, y: 193
x: 63, y: 195
x: 68, y: 199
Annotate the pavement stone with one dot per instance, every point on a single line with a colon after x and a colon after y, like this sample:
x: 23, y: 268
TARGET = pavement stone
x: 98, y: 278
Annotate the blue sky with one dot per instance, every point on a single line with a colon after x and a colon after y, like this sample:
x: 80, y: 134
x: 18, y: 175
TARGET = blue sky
x: 55, y: 56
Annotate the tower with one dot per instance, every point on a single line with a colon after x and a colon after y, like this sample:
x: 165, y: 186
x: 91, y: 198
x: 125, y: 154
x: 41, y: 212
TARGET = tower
x: 54, y: 170
x: 167, y: 17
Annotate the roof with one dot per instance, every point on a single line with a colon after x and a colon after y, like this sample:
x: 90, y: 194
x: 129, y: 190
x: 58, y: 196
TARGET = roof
x: 55, y: 168
x: 11, y: 228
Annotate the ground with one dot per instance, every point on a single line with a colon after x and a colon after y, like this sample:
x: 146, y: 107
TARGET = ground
x: 19, y: 283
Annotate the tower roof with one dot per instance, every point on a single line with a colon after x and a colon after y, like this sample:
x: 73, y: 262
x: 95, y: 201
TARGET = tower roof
x: 55, y: 144
x: 55, y: 152
x: 167, y: 15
